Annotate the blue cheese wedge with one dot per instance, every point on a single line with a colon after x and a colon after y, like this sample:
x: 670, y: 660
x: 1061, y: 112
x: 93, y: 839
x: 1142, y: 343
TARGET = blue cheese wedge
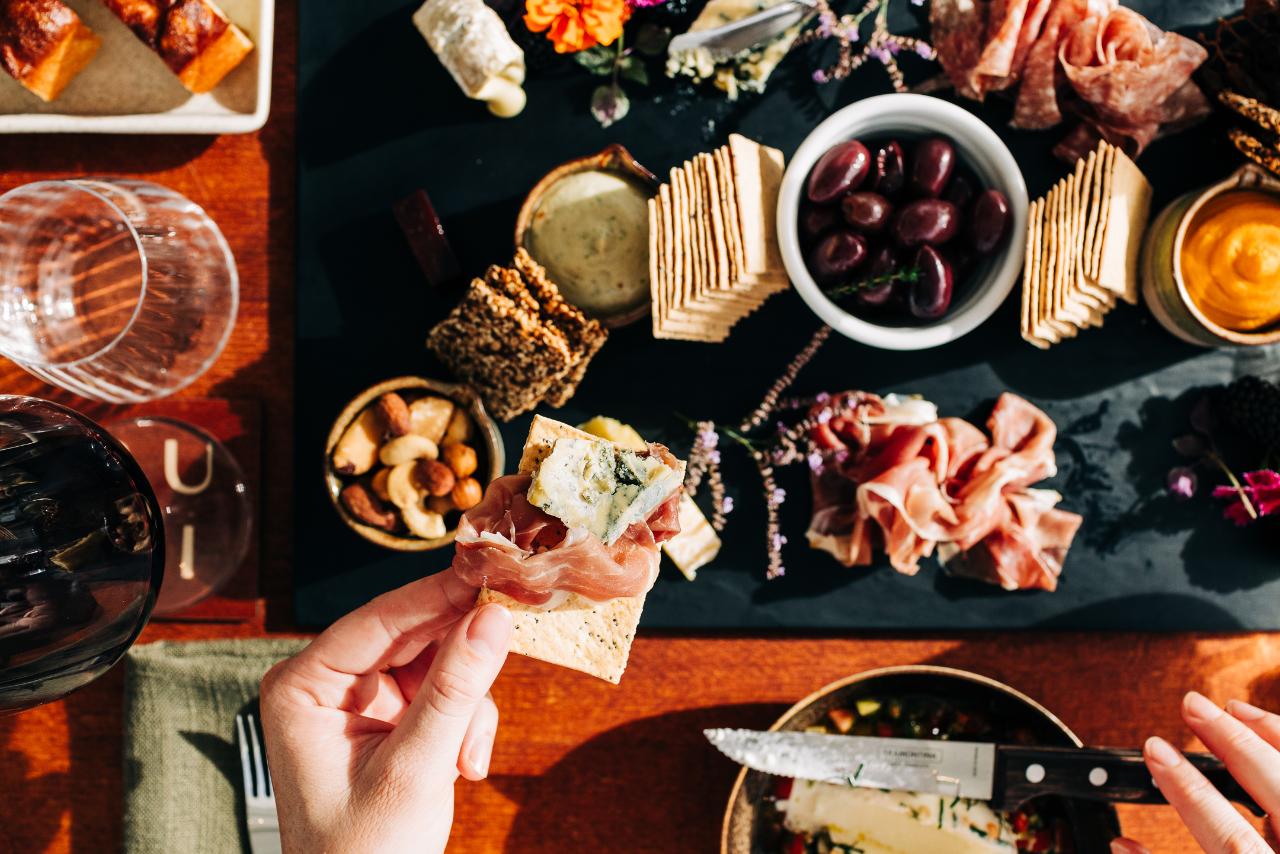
x: 593, y: 484
x: 747, y: 71
x: 879, y: 822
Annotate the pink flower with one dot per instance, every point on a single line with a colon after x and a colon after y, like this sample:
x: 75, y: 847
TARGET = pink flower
x: 1263, y: 490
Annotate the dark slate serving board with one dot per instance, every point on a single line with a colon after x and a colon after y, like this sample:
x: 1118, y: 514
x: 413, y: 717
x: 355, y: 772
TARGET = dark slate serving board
x: 379, y: 117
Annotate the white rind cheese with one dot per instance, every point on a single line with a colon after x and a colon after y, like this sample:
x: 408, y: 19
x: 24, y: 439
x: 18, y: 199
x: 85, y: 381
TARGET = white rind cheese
x: 595, y: 485
x: 878, y: 822
x: 696, y: 545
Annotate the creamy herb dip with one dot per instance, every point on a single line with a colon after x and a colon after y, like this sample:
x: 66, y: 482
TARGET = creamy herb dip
x: 591, y: 232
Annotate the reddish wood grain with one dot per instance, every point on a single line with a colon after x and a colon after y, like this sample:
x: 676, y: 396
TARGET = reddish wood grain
x: 579, y: 765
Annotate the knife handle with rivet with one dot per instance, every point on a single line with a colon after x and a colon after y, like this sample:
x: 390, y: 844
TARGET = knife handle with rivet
x: 1118, y: 776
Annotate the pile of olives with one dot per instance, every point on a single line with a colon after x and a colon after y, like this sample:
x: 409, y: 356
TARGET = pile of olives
x: 873, y: 213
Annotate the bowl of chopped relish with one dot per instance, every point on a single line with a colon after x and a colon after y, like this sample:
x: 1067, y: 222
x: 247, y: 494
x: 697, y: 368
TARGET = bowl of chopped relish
x: 776, y: 815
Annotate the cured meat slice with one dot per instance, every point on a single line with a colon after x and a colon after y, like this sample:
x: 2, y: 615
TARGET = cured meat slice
x: 995, y: 68
x: 506, y: 544
x: 957, y: 29
x: 1133, y: 79
x: 913, y: 488
x: 1037, y: 105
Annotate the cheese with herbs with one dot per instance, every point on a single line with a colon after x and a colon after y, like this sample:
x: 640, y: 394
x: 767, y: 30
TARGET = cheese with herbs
x: 879, y: 822
x: 747, y: 71
x: 596, y: 485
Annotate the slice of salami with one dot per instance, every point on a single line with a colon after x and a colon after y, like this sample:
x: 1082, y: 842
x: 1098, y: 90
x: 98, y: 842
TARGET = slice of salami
x: 1004, y: 26
x: 1037, y: 105
x: 957, y: 29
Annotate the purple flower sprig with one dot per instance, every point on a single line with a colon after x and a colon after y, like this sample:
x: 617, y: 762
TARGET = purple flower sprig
x: 882, y: 45
x: 1199, y: 448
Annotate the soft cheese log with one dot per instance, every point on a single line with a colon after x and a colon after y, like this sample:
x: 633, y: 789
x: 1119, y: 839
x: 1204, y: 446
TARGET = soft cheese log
x: 44, y: 44
x: 474, y: 45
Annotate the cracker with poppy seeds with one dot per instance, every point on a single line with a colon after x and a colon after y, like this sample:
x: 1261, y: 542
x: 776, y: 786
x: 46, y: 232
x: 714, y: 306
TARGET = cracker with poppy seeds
x: 592, y: 637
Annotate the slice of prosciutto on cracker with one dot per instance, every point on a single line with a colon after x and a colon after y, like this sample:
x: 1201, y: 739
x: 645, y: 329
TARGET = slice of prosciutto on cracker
x: 570, y: 544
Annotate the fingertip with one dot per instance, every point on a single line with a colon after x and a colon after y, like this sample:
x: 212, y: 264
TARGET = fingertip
x: 1246, y: 712
x: 1197, y: 708
x: 1161, y: 753
x: 490, y: 630
x: 1127, y: 846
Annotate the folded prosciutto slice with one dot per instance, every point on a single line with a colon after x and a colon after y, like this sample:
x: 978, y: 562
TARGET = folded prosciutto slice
x: 506, y: 544
x: 896, y: 477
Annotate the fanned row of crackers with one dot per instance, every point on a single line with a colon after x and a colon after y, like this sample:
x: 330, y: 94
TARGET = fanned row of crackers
x: 516, y: 340
x: 1083, y: 241
x: 713, y: 250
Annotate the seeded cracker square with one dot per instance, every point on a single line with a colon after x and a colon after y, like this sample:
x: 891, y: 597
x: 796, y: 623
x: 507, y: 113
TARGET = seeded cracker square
x: 508, y: 355
x: 584, y: 336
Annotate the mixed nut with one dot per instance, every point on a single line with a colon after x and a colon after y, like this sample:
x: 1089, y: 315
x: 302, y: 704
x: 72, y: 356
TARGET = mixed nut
x: 409, y: 465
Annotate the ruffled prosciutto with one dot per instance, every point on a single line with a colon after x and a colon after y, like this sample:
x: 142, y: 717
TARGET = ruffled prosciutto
x: 1125, y: 79
x: 508, y: 545
x: 898, y: 478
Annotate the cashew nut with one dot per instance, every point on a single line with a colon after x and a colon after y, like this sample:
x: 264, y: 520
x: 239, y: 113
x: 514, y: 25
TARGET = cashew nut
x: 423, y: 523
x: 406, y: 449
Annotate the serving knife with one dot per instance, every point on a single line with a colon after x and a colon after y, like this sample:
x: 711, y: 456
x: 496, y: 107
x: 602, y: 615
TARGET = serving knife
x: 732, y: 39
x: 1007, y: 775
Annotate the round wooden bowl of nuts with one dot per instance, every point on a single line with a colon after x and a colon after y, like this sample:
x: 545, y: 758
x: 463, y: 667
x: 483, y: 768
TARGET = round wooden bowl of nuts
x: 407, y: 457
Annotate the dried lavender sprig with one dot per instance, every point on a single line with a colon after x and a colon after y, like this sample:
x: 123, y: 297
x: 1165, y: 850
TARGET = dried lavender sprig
x: 769, y: 403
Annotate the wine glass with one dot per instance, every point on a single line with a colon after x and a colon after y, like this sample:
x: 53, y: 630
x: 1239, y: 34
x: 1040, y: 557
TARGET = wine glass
x: 118, y: 290
x: 81, y: 551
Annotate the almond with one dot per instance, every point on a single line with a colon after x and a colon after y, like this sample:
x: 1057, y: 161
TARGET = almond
x: 395, y: 414
x: 362, y: 504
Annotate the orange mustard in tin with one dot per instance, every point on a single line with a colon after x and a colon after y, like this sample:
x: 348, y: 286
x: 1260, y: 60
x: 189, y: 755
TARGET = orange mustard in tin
x: 1231, y: 260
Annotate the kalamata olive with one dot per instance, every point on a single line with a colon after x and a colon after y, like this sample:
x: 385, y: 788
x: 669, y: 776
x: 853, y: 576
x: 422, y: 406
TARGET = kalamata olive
x: 926, y: 221
x: 960, y: 190
x: 988, y: 221
x: 889, y: 171
x: 841, y: 170
x: 931, y: 292
x: 867, y: 212
x: 837, y: 255
x: 931, y: 166
x: 817, y: 220
x: 884, y: 261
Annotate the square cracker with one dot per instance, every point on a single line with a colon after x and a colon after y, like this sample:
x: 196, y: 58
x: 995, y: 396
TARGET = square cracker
x: 1094, y: 304
x: 1128, y: 210
x: 757, y: 177
x: 592, y: 637
x: 685, y: 312
x: 713, y: 289
x: 1066, y: 308
x: 671, y: 323
x: 1030, y: 269
x: 1107, y: 165
x: 1049, y: 266
x: 1041, y: 328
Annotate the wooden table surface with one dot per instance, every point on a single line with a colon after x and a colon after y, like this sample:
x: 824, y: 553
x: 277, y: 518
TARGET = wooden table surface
x: 578, y: 763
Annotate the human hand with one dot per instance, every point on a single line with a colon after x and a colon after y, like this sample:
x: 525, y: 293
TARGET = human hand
x: 370, y: 726
x: 1244, y: 737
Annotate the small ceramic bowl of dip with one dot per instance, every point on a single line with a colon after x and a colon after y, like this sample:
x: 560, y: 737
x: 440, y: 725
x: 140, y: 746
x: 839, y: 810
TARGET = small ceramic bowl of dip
x: 1211, y: 263
x: 587, y: 223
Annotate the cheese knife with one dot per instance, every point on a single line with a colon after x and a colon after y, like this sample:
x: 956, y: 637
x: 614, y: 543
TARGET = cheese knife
x: 1007, y: 775
x: 733, y: 38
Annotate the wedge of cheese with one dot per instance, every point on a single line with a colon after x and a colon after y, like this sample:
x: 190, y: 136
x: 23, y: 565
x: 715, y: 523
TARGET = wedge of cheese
x: 878, y: 822
x: 593, y: 484
x: 697, y: 544
x: 748, y: 71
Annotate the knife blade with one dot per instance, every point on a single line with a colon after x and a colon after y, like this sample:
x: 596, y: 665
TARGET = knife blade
x: 1007, y: 775
x: 733, y: 38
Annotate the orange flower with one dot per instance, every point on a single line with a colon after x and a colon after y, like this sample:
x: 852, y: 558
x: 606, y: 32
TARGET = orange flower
x: 574, y: 25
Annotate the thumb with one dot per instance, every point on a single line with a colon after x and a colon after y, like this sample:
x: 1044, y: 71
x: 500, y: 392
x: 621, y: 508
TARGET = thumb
x: 429, y: 736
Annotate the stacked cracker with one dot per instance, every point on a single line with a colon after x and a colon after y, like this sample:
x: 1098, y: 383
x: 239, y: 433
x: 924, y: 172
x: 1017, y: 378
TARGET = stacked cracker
x: 713, y: 250
x: 1083, y: 241
x: 516, y: 340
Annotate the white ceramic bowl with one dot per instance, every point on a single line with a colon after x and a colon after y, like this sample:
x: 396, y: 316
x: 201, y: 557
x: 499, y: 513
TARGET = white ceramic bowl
x: 911, y: 116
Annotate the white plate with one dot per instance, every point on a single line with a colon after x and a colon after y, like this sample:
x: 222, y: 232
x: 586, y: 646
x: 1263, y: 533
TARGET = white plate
x: 127, y: 88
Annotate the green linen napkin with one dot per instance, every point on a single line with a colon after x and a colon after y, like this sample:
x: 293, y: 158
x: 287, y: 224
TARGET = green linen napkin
x: 181, y: 763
